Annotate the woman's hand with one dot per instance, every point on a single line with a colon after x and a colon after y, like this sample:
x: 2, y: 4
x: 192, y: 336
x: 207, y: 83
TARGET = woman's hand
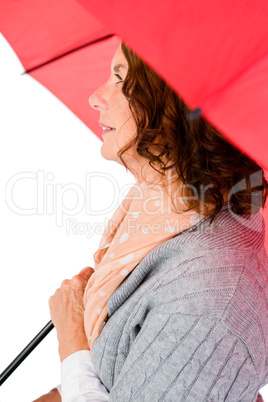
x: 52, y: 396
x: 67, y: 313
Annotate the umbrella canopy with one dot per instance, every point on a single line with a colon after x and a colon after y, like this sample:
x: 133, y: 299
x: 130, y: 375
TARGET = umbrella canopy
x: 214, y: 54
x: 62, y: 46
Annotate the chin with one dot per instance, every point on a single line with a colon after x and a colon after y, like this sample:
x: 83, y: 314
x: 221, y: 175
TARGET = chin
x: 108, y: 154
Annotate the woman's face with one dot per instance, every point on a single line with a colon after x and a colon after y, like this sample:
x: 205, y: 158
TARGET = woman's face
x: 116, y: 119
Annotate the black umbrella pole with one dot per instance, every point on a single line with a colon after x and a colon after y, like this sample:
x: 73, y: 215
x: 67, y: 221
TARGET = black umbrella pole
x: 25, y: 352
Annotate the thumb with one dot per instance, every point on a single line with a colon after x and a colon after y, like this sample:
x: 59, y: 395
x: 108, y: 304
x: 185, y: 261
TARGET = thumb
x: 86, y: 273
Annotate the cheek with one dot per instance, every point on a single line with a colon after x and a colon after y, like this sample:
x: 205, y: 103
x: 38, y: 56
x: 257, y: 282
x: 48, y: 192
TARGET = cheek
x: 127, y: 132
x: 119, y: 106
x: 132, y: 128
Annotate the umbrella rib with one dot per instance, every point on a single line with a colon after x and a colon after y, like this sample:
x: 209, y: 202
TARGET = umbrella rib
x: 67, y: 53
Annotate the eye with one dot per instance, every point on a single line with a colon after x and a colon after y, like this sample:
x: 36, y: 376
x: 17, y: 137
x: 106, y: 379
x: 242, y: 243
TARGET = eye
x: 120, y: 78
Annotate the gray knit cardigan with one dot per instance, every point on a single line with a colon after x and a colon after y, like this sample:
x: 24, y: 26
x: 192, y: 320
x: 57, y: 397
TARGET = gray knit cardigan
x: 190, y: 323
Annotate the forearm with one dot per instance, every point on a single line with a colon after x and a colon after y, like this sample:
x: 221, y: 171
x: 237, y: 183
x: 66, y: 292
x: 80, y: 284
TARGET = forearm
x: 72, y: 345
x: 79, y: 382
x: 79, y: 379
x: 67, y: 314
x: 52, y: 396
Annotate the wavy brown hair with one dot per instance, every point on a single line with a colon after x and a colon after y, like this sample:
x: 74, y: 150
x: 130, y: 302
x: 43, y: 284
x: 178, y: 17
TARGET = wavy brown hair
x: 205, y: 162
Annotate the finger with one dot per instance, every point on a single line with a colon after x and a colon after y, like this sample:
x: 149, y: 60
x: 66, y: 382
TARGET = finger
x: 65, y: 282
x: 50, y: 301
x: 86, y: 273
x: 80, y: 280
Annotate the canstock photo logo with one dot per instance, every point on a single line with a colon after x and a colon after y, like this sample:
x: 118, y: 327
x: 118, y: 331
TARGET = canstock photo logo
x: 39, y: 193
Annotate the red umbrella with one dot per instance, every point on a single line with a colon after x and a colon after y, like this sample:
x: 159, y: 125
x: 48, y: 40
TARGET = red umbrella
x: 213, y: 53
x: 63, y: 47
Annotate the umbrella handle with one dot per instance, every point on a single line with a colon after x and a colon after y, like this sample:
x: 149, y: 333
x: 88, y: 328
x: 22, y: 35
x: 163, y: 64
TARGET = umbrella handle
x: 25, y: 352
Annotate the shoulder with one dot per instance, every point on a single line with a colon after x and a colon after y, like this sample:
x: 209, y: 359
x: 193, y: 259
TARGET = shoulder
x: 227, y: 284
x: 214, y: 255
x: 203, y: 270
x: 213, y: 271
x: 218, y: 272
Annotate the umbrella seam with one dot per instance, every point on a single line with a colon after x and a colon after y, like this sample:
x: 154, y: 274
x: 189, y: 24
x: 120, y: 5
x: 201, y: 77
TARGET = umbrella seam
x: 67, y: 53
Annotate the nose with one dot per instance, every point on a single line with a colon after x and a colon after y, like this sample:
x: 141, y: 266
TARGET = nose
x: 98, y: 100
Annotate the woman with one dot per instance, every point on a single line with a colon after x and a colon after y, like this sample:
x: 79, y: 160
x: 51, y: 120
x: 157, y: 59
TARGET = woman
x: 176, y: 310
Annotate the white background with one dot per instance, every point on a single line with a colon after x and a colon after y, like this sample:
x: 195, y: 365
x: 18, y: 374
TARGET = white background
x: 42, y: 140
x: 51, y: 162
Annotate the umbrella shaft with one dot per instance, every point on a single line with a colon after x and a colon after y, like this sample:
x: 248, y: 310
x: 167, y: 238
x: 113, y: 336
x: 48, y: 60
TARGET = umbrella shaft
x: 25, y: 352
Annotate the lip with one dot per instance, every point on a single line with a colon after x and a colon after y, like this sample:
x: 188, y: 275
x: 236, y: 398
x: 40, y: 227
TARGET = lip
x: 105, y: 127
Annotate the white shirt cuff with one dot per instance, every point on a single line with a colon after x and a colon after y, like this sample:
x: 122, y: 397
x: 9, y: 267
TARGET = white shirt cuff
x: 58, y: 387
x: 79, y: 379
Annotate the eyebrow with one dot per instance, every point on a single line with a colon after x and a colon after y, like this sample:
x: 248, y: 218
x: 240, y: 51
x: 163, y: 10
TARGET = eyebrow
x: 118, y: 67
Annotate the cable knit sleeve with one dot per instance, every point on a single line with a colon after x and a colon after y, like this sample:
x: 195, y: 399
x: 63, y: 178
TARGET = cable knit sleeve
x: 179, y: 357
